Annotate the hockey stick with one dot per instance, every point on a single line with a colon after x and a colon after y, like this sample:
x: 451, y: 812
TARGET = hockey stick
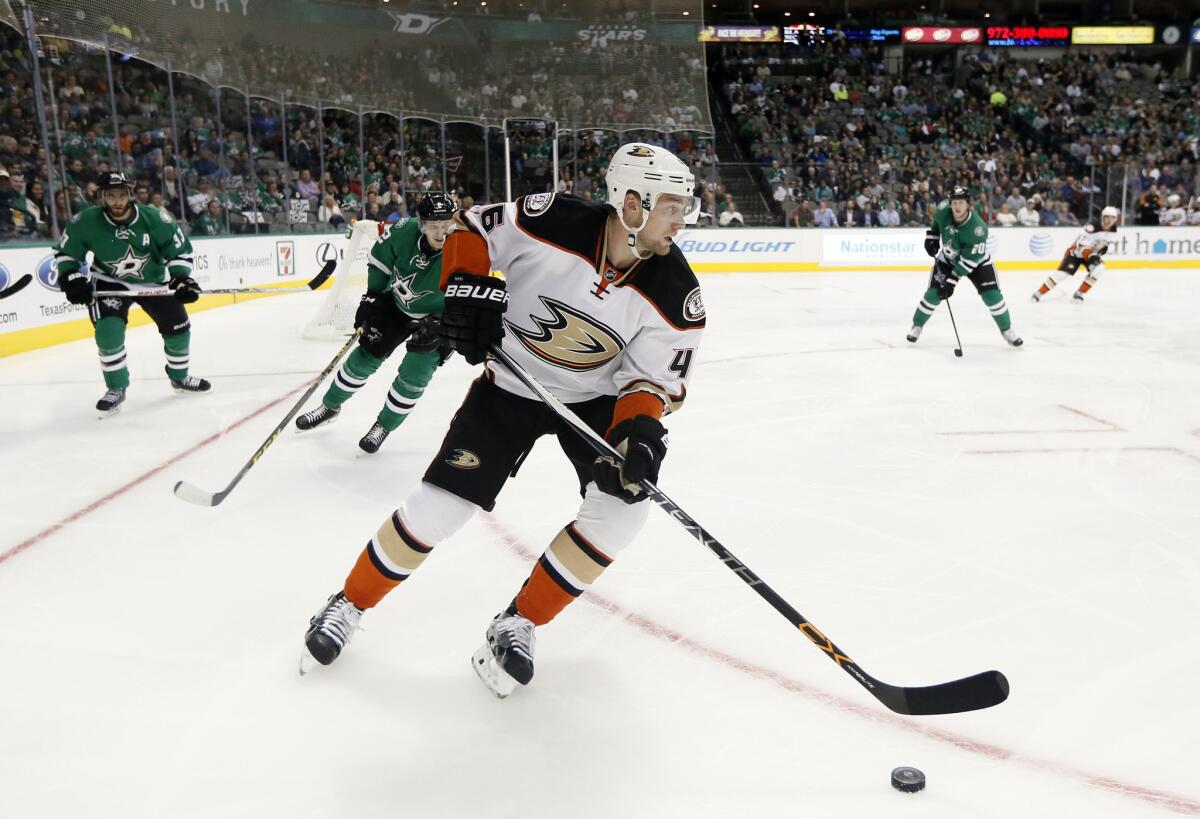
x: 16, y: 287
x: 316, y: 282
x: 954, y: 324
x: 982, y: 690
x: 194, y: 494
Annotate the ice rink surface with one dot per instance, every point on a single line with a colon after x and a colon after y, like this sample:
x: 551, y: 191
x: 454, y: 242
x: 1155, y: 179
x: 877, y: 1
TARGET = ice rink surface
x: 1032, y: 510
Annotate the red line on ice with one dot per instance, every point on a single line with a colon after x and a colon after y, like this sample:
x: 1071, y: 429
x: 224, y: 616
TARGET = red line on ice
x: 140, y: 479
x: 1179, y: 804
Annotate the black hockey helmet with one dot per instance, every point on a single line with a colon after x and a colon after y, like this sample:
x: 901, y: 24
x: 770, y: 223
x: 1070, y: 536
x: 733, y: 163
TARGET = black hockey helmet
x: 959, y: 192
x: 435, y: 207
x: 112, y: 180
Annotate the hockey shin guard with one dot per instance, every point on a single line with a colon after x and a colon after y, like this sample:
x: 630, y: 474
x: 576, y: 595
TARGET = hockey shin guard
x: 1052, y: 281
x: 414, y: 375
x: 110, y: 340
x: 994, y: 300
x: 178, y: 356
x: 353, y: 374
x: 927, y: 305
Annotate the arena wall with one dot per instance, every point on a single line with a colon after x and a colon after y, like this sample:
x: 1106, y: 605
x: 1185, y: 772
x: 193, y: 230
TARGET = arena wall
x: 39, y: 316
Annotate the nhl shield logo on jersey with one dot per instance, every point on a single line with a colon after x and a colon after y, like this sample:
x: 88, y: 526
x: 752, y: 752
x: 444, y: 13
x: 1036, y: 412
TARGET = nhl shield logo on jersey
x: 569, y: 338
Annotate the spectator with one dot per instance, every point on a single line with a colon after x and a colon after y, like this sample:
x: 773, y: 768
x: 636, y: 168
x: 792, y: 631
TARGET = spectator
x: 211, y: 222
x: 307, y: 187
x: 729, y: 215
x: 1029, y: 215
x: 1005, y: 217
x: 329, y: 213
x: 889, y: 216
x: 824, y: 217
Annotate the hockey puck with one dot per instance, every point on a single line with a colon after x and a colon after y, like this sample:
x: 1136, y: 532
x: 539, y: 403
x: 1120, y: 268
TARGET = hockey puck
x: 958, y: 353
x: 908, y: 780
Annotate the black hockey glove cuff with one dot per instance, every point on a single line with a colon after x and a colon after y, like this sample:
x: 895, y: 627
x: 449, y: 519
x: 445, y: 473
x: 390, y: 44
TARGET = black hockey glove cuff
x: 76, y: 287
x: 426, y: 335
x: 642, y: 440
x: 368, y: 308
x: 186, y: 289
x: 933, y: 242
x: 473, y: 318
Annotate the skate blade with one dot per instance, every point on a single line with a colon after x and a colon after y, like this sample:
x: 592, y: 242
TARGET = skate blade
x: 307, y: 662
x: 491, y: 674
x: 104, y: 415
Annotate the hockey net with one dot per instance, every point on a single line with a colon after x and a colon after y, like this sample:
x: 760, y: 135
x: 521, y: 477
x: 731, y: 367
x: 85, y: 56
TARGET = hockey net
x: 335, y: 318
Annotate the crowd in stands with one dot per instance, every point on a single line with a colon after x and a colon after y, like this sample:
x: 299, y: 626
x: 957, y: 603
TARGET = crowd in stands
x: 842, y: 140
x: 838, y: 137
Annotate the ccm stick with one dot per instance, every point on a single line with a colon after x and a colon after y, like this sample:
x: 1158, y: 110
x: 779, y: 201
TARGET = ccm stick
x: 201, y: 497
x: 982, y: 690
x: 313, y: 284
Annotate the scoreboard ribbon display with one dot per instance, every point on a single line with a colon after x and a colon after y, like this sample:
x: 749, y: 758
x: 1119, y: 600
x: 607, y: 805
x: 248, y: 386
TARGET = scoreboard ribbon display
x: 1028, y: 36
x: 941, y: 35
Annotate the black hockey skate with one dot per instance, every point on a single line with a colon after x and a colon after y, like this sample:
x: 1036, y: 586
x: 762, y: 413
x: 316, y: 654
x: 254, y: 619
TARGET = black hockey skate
x: 110, y: 403
x: 374, y: 438
x: 321, y: 415
x: 914, y: 334
x: 191, y: 383
x: 330, y: 630
x: 506, y: 659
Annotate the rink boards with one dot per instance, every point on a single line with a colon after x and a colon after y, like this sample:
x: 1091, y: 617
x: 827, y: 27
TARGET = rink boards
x: 39, y: 316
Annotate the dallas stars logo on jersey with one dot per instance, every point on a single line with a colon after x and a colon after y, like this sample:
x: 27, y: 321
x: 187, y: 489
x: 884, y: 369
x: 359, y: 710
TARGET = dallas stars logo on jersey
x: 403, y: 289
x: 128, y: 266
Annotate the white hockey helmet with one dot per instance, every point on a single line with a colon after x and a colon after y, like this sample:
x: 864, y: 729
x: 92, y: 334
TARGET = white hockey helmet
x: 1110, y: 211
x: 1173, y: 200
x: 650, y: 172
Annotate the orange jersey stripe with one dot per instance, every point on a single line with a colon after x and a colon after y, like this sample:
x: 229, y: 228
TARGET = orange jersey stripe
x: 464, y: 252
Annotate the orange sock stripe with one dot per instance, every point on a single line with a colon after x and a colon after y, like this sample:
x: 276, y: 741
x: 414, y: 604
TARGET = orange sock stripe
x: 1044, y: 289
x: 1083, y: 288
x: 367, y: 583
x: 543, y: 596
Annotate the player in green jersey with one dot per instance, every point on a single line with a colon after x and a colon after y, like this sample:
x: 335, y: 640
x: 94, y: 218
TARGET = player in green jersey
x: 403, y: 301
x: 131, y: 245
x: 957, y: 241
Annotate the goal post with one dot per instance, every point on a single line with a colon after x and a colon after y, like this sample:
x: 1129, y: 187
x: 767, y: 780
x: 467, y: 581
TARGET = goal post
x: 335, y: 318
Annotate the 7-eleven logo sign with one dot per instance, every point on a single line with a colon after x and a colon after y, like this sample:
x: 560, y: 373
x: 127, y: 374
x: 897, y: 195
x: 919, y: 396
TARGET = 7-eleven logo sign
x: 285, y: 258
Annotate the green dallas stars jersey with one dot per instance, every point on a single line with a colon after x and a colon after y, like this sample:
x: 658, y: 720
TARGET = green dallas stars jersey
x: 963, y: 246
x: 143, y: 251
x: 397, y: 264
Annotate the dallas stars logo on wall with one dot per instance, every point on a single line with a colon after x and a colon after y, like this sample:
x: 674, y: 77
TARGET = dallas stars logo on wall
x: 402, y: 287
x: 128, y: 266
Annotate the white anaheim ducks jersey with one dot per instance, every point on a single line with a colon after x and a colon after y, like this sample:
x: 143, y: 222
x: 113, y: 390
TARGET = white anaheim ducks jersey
x: 1092, y: 239
x: 579, y: 326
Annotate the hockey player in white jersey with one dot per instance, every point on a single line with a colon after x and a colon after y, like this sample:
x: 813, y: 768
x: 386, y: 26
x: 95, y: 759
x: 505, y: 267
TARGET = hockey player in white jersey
x: 1088, y: 250
x: 600, y: 306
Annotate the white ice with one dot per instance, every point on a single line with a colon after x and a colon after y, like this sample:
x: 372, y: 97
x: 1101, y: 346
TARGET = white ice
x: 1031, y: 510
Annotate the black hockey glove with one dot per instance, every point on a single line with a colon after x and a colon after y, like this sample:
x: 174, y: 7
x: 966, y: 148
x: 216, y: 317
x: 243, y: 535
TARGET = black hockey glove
x: 643, y: 442
x: 426, y: 335
x: 368, y: 308
x: 77, y: 288
x: 473, y: 318
x: 933, y: 242
x: 944, y: 281
x: 186, y: 289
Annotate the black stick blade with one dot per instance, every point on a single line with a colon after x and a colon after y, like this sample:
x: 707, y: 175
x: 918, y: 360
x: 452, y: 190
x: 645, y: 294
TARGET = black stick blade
x: 323, y: 276
x: 980, y: 691
x: 16, y: 287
